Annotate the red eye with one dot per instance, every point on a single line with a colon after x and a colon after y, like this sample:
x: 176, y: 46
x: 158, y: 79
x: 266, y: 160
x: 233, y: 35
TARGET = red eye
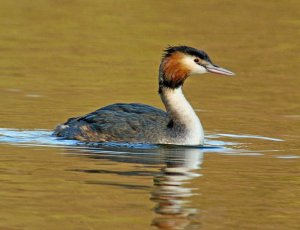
x: 196, y: 60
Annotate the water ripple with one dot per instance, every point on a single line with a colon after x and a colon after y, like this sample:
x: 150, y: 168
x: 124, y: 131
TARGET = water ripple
x: 41, y: 137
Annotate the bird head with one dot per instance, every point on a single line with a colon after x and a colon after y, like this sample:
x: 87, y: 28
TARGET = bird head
x: 179, y: 62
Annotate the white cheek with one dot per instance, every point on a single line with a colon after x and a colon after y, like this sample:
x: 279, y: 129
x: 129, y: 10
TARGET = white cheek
x: 198, y: 69
x: 194, y: 67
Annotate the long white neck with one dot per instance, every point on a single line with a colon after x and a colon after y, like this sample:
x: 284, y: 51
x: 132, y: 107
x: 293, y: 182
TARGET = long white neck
x: 182, y: 114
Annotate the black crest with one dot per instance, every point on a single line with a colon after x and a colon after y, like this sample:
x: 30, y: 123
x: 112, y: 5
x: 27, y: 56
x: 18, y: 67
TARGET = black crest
x: 187, y: 50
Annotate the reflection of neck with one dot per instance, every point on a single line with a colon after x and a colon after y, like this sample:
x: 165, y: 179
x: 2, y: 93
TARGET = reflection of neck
x: 183, y: 117
x: 171, y: 190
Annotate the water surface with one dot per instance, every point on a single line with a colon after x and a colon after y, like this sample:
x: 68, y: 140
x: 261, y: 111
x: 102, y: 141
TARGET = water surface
x: 66, y: 58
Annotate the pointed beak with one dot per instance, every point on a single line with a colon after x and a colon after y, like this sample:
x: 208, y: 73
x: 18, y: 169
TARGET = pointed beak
x: 218, y: 70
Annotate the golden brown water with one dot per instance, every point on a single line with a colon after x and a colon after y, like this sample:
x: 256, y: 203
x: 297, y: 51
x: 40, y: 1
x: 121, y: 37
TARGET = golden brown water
x: 65, y: 58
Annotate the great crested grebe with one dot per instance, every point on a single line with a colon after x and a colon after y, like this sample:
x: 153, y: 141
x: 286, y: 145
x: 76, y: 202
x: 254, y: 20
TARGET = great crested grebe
x: 139, y: 123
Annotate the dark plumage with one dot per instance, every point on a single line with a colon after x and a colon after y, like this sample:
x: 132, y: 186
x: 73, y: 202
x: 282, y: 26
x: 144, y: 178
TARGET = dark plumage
x: 116, y: 122
x: 186, y: 50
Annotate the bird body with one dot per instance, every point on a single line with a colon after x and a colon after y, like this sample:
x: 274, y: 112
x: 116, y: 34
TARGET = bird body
x: 117, y: 122
x: 139, y: 123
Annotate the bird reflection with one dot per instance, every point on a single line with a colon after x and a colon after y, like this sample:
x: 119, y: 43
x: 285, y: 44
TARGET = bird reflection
x: 171, y: 189
x: 171, y: 192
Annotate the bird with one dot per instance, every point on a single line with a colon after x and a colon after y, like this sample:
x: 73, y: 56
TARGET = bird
x: 141, y: 123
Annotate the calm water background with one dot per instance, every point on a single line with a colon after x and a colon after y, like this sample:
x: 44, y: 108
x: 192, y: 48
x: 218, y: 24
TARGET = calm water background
x: 60, y: 58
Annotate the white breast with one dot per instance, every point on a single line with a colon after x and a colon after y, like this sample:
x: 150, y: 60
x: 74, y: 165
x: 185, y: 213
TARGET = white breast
x: 179, y: 108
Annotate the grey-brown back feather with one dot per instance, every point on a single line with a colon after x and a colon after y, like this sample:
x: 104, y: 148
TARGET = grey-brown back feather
x: 118, y: 122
